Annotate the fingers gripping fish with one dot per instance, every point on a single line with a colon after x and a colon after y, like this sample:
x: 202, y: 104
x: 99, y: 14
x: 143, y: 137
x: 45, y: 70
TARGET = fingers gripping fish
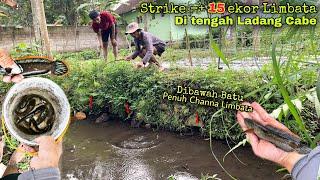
x: 278, y: 137
x: 36, y: 65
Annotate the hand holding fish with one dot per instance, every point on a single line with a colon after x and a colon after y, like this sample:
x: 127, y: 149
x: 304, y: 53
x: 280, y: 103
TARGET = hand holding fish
x: 8, y: 64
x: 16, y: 70
x: 261, y: 147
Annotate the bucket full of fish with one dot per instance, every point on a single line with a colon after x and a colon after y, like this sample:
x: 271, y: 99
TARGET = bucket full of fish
x: 36, y: 107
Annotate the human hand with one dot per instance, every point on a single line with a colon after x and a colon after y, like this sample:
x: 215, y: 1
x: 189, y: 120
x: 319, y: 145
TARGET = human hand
x: 140, y: 65
x: 263, y: 148
x: 128, y: 58
x: 17, y: 156
x: 48, y: 155
x: 7, y: 63
x: 20, y: 153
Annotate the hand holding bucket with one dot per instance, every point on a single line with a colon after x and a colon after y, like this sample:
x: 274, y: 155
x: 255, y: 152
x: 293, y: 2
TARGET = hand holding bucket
x: 36, y: 107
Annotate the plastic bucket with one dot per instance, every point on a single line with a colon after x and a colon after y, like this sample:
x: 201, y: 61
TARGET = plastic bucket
x: 49, y: 91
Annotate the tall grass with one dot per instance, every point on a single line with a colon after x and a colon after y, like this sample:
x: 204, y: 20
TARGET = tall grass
x: 285, y: 94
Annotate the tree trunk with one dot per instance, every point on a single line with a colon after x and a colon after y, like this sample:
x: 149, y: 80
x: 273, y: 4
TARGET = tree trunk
x: 38, y: 7
x: 35, y: 15
x: 256, y: 36
x: 188, y: 47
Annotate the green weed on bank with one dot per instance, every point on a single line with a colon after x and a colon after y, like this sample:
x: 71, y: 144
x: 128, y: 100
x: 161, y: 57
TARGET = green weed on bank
x: 115, y: 83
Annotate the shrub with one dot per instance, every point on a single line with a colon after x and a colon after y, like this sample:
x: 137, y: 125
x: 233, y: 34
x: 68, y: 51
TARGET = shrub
x: 116, y: 83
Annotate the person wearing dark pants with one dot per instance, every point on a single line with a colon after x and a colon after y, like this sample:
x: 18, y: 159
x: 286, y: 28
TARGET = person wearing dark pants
x: 105, y: 25
x: 147, y: 46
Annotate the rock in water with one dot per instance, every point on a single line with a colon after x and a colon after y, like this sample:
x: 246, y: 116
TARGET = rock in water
x: 103, y: 118
x: 80, y: 116
x: 148, y: 126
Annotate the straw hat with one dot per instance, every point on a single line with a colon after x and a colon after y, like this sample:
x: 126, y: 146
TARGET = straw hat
x: 132, y: 27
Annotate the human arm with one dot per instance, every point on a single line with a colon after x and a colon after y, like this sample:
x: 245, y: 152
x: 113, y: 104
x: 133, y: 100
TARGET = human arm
x: 41, y: 174
x: 17, y: 156
x: 149, y: 48
x: 136, y: 52
x: 113, y: 35
x: 99, y: 36
x: 44, y: 165
x: 307, y: 167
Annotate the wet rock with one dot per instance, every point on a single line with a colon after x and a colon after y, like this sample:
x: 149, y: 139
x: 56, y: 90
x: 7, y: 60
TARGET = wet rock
x: 136, y: 123
x: 148, y: 126
x: 80, y: 116
x: 103, y: 118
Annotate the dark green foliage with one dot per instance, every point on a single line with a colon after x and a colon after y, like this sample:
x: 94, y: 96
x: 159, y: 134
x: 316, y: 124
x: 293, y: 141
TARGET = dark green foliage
x: 116, y: 83
x: 79, y: 56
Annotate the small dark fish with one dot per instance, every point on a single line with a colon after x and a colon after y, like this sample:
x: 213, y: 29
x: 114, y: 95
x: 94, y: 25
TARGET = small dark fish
x: 279, y: 138
x: 37, y: 65
x: 34, y: 115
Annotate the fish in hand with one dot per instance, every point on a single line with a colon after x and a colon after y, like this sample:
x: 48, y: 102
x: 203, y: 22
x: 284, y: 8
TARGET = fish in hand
x: 36, y: 65
x: 283, y: 140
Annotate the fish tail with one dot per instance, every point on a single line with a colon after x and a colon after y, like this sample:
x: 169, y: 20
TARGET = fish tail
x: 60, y: 68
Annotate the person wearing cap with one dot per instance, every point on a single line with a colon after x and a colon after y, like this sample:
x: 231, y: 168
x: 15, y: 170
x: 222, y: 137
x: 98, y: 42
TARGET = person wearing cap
x: 147, y: 45
x: 105, y: 25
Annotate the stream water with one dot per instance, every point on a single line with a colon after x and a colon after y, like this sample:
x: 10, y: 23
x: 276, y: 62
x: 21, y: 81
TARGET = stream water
x: 114, y: 150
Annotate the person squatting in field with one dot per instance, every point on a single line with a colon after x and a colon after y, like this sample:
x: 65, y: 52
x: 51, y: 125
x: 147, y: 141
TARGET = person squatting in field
x: 147, y: 46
